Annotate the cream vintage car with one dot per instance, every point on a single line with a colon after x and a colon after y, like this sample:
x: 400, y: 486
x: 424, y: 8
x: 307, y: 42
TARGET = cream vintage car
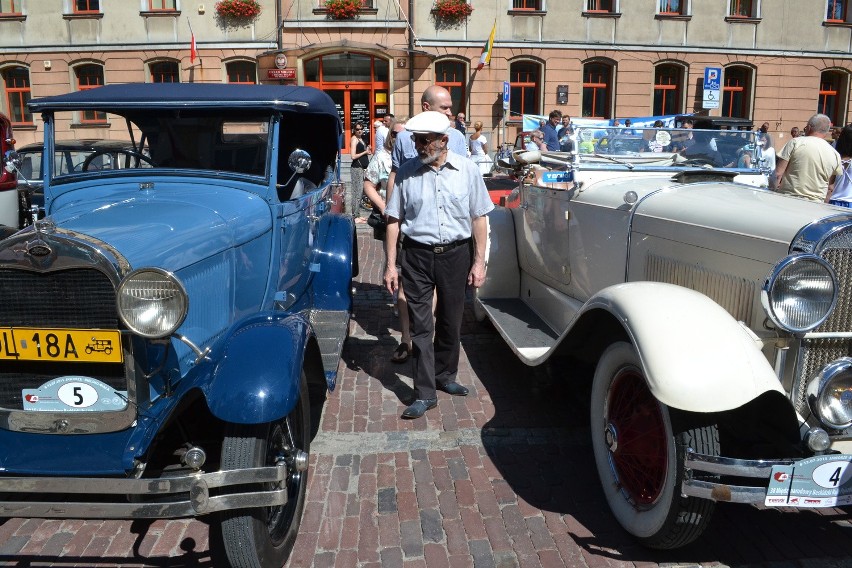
x: 716, y: 314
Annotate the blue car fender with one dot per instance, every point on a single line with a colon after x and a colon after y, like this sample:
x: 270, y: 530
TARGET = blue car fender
x: 257, y: 375
x: 334, y: 262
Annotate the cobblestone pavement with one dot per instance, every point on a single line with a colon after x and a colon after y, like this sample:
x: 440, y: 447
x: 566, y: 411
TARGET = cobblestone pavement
x: 501, y: 478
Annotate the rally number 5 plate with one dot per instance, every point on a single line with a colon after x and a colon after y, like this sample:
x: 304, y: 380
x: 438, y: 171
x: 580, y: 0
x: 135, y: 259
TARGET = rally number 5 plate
x: 820, y: 481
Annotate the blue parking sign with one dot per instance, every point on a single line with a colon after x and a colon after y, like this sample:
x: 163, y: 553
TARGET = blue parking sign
x: 506, y: 92
x: 712, y: 78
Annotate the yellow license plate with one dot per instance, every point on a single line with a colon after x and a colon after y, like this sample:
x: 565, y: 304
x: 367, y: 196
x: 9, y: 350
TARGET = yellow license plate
x: 66, y: 345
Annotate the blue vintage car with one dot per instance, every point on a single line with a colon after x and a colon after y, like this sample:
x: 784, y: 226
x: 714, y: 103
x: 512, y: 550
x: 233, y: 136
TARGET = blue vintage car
x: 167, y: 328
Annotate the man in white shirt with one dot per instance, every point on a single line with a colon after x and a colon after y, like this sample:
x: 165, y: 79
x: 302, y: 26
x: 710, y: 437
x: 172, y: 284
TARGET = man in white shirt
x: 381, y: 130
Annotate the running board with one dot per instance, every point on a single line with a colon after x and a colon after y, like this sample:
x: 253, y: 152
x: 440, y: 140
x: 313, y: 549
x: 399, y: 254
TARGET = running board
x: 526, y: 333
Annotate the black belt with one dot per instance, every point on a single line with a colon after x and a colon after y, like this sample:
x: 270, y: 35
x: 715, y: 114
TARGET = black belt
x: 437, y: 249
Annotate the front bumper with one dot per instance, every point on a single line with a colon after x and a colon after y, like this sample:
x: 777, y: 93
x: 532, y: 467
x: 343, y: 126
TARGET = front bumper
x: 176, y: 497
x: 758, y: 469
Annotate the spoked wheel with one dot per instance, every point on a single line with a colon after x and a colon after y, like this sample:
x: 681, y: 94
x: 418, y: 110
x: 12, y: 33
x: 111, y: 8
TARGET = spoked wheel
x: 639, y: 455
x: 264, y: 537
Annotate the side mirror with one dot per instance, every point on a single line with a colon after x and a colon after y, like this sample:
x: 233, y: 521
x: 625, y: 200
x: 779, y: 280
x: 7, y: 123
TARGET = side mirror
x: 299, y: 161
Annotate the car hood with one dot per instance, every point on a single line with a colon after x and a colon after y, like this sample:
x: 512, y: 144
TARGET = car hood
x: 170, y: 226
x: 719, y: 215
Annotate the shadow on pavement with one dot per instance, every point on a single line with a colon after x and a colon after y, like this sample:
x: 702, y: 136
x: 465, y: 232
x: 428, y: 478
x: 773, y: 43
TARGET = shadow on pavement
x: 539, y: 441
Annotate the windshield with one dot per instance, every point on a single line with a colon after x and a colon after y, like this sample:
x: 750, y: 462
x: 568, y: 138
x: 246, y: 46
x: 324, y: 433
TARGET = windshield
x: 666, y: 147
x: 195, y: 140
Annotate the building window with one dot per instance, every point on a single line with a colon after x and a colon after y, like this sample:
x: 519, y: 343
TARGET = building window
x: 241, y: 72
x: 90, y: 76
x: 16, y: 84
x: 452, y: 75
x: 837, y: 11
x: 668, y: 88
x: 736, y: 92
x: 527, y: 5
x: 597, y: 86
x: 743, y: 9
x: 672, y: 7
x: 162, y: 5
x: 524, y: 81
x: 87, y: 6
x: 164, y: 72
x: 10, y: 7
x: 833, y: 87
x: 608, y: 6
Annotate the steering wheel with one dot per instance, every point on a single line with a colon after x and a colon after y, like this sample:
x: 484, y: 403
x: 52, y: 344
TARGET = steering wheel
x: 699, y: 162
x: 129, y: 153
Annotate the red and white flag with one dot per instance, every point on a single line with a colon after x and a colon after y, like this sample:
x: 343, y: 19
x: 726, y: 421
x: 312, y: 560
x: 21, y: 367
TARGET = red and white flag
x: 193, y: 49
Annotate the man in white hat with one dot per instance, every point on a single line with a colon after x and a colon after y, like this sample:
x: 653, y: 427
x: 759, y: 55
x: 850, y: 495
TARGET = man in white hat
x: 439, y: 203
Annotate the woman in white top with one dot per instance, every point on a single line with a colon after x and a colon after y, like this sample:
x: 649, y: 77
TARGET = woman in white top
x: 479, y: 148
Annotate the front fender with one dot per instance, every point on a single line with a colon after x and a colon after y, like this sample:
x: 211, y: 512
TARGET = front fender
x: 696, y: 357
x: 256, y: 379
x: 335, y: 263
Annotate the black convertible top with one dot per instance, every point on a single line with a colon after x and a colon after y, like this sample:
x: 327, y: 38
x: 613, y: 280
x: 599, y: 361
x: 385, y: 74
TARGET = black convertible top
x: 113, y: 98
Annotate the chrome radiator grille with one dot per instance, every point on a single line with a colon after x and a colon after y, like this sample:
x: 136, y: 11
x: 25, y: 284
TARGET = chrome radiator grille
x: 78, y: 298
x: 817, y: 353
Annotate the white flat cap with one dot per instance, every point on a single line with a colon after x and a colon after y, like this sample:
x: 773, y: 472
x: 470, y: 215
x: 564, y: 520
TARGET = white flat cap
x: 428, y: 122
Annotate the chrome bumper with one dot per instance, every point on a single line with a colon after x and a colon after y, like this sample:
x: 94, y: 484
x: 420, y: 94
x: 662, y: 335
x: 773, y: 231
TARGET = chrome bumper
x: 184, y: 496
x: 760, y: 469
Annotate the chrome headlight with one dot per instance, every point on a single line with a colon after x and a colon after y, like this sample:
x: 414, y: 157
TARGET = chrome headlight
x: 830, y: 394
x: 152, y: 302
x: 800, y: 293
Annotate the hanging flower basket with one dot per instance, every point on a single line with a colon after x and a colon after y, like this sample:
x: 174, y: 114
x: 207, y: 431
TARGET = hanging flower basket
x: 451, y: 13
x: 238, y: 9
x: 343, y: 9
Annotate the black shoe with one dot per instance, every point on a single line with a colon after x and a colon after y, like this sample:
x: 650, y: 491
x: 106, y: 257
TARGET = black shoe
x: 453, y: 388
x: 419, y: 407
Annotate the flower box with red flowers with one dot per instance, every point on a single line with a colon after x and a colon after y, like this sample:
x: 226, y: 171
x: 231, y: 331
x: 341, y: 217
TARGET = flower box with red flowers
x: 241, y: 9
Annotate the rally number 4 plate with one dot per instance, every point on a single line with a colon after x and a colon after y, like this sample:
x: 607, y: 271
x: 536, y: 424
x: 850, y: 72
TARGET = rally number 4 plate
x: 66, y: 345
x: 820, y: 481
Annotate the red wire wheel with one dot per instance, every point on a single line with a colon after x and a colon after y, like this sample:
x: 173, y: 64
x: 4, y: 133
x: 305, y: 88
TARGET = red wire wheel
x: 636, y: 437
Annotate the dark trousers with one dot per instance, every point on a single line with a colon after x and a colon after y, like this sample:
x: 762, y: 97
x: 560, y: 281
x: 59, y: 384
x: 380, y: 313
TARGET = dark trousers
x: 423, y: 272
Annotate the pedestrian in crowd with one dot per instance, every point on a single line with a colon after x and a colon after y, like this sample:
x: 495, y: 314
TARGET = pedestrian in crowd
x: 704, y: 149
x: 536, y: 141
x: 360, y: 154
x: 794, y: 132
x: 627, y: 127
x: 841, y: 194
x: 551, y: 138
x: 460, y: 124
x: 767, y: 157
x: 565, y: 126
x: 566, y: 143
x: 375, y: 187
x: 438, y: 204
x: 378, y: 170
x: 478, y: 147
x: 685, y: 138
x: 652, y: 142
x: 381, y: 130
x: 434, y: 98
x: 807, y: 165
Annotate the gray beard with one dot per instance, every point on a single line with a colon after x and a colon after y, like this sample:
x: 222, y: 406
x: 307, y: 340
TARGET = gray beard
x: 427, y: 159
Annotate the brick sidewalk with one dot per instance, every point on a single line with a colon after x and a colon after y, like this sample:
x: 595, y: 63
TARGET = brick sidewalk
x: 502, y: 478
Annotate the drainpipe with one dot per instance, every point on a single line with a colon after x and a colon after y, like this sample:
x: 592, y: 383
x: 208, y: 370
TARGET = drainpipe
x: 411, y: 58
x: 280, y: 31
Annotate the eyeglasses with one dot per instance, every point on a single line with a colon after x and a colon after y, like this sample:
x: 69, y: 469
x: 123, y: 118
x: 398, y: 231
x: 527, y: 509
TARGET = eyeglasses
x: 424, y: 139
